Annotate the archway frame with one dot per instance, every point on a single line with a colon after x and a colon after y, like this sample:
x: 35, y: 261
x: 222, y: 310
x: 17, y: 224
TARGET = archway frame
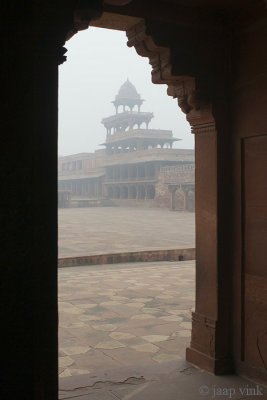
x: 197, y: 48
x: 191, y: 56
x: 204, y: 104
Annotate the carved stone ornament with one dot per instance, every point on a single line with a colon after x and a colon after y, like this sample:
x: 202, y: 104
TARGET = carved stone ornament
x: 192, y: 101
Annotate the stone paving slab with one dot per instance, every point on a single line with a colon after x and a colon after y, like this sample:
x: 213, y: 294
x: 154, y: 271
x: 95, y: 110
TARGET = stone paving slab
x: 169, y: 381
x: 123, y: 330
x: 123, y: 315
x: 102, y: 230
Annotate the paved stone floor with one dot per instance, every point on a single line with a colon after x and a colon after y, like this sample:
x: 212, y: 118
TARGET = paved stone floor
x: 123, y: 315
x: 99, y: 230
x: 123, y: 333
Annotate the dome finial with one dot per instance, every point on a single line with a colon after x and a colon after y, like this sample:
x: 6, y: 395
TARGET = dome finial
x: 127, y: 96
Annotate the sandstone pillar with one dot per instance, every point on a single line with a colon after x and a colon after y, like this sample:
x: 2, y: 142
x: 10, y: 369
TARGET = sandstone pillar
x: 172, y: 189
x: 210, y: 346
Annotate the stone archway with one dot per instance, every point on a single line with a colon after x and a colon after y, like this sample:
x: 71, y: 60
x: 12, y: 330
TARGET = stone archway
x: 141, y: 192
x: 110, y: 192
x: 116, y: 192
x: 193, y: 95
x: 201, y: 54
x: 124, y: 194
x: 150, y: 192
x: 132, y: 192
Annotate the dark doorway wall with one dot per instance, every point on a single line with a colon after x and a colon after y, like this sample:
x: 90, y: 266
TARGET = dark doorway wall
x: 250, y: 198
x: 212, y: 56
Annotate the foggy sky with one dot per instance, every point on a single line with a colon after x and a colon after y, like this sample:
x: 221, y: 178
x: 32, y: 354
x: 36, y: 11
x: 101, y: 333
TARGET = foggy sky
x: 98, y: 63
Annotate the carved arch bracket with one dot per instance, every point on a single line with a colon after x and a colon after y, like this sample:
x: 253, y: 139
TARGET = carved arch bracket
x: 193, y: 102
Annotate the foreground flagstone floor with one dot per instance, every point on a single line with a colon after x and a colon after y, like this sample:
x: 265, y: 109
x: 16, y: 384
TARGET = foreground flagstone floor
x: 124, y: 315
x: 123, y: 332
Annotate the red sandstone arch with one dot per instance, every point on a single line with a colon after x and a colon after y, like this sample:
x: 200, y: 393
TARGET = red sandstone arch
x: 193, y: 94
x: 215, y: 55
x: 195, y: 68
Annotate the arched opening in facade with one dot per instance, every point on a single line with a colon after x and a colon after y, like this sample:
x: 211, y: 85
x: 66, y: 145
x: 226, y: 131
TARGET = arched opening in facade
x: 110, y: 192
x: 120, y: 190
x: 141, y: 171
x: 124, y: 172
x: 132, y: 192
x: 116, y: 192
x: 151, y: 170
x: 150, y: 192
x: 124, y: 192
x: 141, y: 192
x: 224, y: 51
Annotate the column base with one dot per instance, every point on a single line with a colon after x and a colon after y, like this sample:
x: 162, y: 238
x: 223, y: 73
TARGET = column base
x: 209, y: 348
x: 203, y: 361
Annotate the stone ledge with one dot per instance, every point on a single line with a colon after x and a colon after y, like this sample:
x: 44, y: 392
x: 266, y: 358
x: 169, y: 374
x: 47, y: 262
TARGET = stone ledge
x: 136, y: 256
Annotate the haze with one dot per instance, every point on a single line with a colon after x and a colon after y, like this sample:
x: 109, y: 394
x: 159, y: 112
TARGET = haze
x: 98, y: 63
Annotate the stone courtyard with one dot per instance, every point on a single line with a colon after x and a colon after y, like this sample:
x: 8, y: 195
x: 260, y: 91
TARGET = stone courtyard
x: 112, y: 317
x: 128, y: 314
x: 124, y: 328
x: 123, y: 331
x: 99, y: 230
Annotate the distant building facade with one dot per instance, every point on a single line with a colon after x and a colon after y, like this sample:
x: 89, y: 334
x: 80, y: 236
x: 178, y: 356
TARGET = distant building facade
x: 138, y: 166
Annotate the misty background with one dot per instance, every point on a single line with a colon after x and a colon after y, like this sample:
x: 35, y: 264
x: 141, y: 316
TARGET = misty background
x: 98, y: 63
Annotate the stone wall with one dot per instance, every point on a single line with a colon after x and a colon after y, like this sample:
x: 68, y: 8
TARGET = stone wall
x: 182, y: 175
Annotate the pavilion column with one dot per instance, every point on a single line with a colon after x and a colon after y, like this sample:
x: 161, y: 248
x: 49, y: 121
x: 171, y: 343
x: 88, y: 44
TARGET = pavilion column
x: 185, y: 194
x: 96, y: 188
x: 185, y: 201
x: 172, y: 189
x: 146, y: 171
x: 204, y: 350
x: 105, y: 191
x: 146, y: 192
x: 210, y: 346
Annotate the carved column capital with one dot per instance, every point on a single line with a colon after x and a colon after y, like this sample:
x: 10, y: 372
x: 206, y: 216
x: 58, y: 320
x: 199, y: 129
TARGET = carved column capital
x: 194, y: 103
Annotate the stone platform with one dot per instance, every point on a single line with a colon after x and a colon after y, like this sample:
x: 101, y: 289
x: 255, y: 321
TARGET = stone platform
x: 87, y: 231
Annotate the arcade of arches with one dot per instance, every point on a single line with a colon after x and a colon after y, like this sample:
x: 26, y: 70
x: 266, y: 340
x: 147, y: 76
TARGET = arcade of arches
x: 212, y: 56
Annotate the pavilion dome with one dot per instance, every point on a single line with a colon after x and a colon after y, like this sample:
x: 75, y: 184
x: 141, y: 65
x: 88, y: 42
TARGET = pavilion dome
x: 128, y: 91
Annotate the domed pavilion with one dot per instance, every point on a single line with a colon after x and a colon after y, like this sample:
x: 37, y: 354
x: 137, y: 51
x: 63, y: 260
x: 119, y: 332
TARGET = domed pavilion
x: 134, y: 153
